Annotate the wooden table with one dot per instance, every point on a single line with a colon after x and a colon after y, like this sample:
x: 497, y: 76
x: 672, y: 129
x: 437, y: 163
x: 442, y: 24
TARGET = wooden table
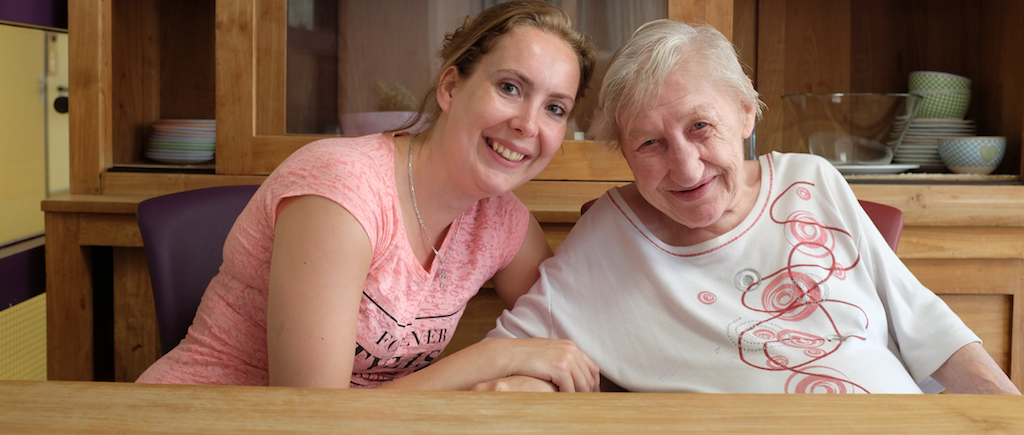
x: 103, y: 407
x: 963, y: 242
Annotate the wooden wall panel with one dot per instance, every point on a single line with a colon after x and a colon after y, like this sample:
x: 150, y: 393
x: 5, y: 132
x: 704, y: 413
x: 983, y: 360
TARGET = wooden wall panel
x: 970, y: 276
x: 271, y: 67
x: 717, y: 13
x: 951, y: 204
x: 989, y: 316
x: 136, y: 76
x: 108, y: 230
x: 803, y: 47
x: 560, y: 201
x: 744, y: 35
x: 480, y: 317
x: 136, y: 333
x: 579, y: 160
x: 187, y: 51
x: 152, y: 184
x: 555, y: 233
x: 998, y: 90
x: 235, y: 86
x: 89, y: 82
x: 771, y: 57
x: 69, y: 316
x: 961, y: 243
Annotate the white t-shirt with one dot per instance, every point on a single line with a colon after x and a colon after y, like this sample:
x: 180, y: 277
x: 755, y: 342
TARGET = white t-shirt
x: 803, y: 296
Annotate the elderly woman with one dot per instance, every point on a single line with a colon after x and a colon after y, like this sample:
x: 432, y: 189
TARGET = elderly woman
x: 711, y: 273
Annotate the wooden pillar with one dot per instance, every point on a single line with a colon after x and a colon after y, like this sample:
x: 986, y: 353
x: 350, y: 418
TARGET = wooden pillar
x: 136, y: 335
x: 90, y: 79
x: 69, y: 308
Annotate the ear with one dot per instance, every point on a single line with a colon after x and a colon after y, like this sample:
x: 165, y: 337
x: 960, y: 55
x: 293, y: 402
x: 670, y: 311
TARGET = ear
x: 446, y: 88
x: 750, y: 117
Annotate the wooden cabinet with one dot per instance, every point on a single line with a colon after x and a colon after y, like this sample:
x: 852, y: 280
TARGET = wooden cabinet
x: 808, y: 46
x: 136, y: 61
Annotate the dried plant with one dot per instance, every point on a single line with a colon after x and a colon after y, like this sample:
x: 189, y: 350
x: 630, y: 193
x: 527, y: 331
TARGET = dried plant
x: 393, y: 97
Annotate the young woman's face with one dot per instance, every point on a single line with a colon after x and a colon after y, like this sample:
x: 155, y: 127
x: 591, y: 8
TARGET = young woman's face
x: 510, y: 114
x: 686, y: 150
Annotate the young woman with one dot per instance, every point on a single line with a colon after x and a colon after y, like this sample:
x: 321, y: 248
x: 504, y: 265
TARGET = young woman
x: 353, y: 263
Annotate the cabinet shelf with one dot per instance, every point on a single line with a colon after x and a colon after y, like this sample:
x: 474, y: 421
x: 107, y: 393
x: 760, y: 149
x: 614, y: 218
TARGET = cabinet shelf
x: 935, y: 178
x: 203, y: 168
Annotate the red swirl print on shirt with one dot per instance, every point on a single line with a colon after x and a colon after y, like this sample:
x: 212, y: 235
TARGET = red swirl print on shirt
x: 795, y: 324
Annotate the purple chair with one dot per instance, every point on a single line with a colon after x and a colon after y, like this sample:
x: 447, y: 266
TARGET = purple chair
x: 184, y: 235
x: 888, y: 219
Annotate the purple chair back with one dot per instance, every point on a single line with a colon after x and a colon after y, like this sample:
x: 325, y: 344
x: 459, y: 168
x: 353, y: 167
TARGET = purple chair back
x: 184, y: 236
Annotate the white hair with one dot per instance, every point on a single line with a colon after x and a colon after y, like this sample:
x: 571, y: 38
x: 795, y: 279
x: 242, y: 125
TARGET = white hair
x: 642, y: 65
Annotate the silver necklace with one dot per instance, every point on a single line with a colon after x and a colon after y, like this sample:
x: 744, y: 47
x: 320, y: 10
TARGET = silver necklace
x: 444, y: 273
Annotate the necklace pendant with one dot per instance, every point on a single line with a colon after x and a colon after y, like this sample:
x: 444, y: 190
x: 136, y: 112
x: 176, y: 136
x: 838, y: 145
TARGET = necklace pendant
x: 443, y: 275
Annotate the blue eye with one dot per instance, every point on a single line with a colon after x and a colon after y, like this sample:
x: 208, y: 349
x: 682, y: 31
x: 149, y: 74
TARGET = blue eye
x: 649, y: 142
x: 559, y: 111
x: 699, y: 125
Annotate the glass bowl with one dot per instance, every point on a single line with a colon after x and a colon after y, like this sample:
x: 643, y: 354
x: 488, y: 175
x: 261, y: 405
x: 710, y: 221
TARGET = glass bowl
x: 853, y: 129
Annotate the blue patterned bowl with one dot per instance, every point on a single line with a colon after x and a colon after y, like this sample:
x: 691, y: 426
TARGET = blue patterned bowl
x: 972, y: 155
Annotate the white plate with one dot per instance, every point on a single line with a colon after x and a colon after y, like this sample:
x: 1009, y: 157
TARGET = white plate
x: 874, y: 169
x: 942, y: 121
x: 185, y: 154
x: 175, y: 161
x: 920, y: 152
x: 916, y: 162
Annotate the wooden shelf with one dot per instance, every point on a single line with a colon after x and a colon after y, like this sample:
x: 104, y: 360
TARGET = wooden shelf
x: 924, y: 177
x: 201, y: 168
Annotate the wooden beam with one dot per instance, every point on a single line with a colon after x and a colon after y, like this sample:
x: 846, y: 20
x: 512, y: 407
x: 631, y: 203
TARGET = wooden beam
x: 69, y: 316
x: 90, y: 80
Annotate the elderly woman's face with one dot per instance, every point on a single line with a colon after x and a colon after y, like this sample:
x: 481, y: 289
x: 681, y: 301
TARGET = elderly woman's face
x: 686, y: 150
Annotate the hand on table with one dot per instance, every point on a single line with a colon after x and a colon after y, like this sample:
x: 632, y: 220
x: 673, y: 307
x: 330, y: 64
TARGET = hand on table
x: 517, y: 383
x: 557, y: 361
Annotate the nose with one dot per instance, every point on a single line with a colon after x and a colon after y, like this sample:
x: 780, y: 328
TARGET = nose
x: 525, y: 122
x: 684, y: 159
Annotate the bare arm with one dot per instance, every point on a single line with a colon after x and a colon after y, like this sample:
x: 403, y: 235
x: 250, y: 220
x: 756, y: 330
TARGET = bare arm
x: 972, y: 371
x: 320, y: 261
x: 516, y: 279
x: 558, y: 362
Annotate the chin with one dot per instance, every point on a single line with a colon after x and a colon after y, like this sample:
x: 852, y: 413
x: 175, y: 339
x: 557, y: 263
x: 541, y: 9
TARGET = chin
x: 699, y: 218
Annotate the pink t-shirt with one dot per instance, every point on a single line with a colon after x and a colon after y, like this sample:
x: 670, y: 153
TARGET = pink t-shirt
x: 405, y: 317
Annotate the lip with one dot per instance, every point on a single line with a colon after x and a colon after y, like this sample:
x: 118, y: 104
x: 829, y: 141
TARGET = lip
x: 697, y: 192
x: 511, y: 147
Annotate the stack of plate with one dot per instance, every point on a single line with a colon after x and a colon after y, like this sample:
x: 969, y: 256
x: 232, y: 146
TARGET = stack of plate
x: 920, y: 143
x: 182, y: 141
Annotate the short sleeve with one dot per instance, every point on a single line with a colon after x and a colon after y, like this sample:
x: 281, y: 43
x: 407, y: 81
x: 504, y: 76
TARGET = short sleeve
x: 356, y: 173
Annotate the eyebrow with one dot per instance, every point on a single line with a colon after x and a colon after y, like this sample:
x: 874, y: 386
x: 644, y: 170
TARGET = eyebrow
x: 523, y: 78
x: 701, y: 110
